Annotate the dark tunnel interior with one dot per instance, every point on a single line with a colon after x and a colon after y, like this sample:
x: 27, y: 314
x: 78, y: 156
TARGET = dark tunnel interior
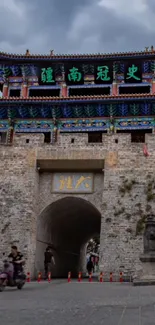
x: 66, y: 225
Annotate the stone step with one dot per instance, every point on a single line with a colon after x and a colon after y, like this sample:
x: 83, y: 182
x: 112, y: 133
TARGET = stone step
x: 144, y: 282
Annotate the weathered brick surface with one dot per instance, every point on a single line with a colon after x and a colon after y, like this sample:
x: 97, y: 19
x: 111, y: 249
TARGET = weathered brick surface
x: 121, y: 192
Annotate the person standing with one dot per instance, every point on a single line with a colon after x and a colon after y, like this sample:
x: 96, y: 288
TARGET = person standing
x: 48, y: 260
x: 89, y: 266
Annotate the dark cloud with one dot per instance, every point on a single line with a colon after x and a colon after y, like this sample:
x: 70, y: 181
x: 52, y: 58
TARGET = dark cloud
x: 76, y: 26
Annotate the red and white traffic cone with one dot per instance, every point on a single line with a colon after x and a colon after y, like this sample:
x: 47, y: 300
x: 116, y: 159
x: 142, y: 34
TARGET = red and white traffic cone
x: 39, y: 276
x: 69, y: 276
x: 101, y: 277
x: 49, y: 277
x: 28, y: 277
x: 90, y: 277
x: 111, y: 277
x: 121, y: 277
x: 79, y: 277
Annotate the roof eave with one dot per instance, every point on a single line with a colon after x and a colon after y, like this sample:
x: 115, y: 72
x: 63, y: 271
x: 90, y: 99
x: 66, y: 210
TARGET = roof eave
x: 65, y: 57
x: 58, y: 100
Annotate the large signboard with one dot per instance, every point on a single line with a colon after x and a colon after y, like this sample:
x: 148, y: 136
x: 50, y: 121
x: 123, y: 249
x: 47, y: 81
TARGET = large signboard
x: 47, y: 73
x: 103, y: 73
x: 133, y: 72
x: 74, y: 75
x: 72, y: 183
x: 47, y: 76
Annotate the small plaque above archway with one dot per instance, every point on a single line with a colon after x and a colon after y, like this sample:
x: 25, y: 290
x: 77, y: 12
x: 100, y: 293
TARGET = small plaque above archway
x: 112, y: 159
x: 73, y: 183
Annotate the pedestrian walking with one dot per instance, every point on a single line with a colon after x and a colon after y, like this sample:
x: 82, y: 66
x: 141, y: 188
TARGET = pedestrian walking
x: 89, y: 266
x: 48, y: 261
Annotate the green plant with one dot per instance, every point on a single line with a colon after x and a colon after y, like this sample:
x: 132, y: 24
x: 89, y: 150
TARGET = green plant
x: 127, y: 186
x: 149, y: 186
x: 150, y: 196
x: 140, y: 225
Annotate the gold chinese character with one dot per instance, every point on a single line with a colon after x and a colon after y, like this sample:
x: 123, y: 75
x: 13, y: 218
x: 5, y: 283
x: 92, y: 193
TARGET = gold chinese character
x: 81, y: 180
x: 65, y: 182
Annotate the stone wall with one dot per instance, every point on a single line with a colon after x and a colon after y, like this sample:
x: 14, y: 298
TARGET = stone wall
x: 18, y: 193
x: 126, y: 195
x: 128, y: 198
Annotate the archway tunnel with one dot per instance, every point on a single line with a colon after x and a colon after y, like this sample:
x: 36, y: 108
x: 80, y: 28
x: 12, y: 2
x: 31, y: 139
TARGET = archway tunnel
x: 66, y: 225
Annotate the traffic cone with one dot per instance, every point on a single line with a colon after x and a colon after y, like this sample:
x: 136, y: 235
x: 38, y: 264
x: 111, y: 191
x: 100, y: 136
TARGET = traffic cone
x: 90, y: 277
x: 79, y: 277
x: 111, y: 279
x: 28, y: 277
x: 39, y: 276
x: 101, y: 277
x: 121, y: 277
x: 69, y: 276
x: 49, y: 277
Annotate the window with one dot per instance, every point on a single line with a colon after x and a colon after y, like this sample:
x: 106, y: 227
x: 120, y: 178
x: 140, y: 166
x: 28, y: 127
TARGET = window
x: 41, y: 92
x: 95, y: 137
x: 98, y: 91
x: 138, y: 137
x: 47, y: 137
x: 2, y: 137
x: 116, y: 140
x: 14, y: 93
x: 72, y: 140
x: 134, y: 90
x: 27, y: 140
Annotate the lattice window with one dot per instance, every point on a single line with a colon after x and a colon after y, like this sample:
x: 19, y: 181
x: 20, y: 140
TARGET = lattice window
x: 147, y: 67
x: 119, y: 67
x: 88, y: 69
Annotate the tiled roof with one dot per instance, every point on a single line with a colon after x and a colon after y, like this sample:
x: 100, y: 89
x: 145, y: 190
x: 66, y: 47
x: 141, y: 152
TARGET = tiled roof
x: 28, y: 55
x: 76, y: 98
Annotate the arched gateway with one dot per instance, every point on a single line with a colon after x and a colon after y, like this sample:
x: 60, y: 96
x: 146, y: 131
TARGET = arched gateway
x: 66, y: 224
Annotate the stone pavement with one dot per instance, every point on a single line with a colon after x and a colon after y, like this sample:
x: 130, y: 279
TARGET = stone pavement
x: 78, y: 304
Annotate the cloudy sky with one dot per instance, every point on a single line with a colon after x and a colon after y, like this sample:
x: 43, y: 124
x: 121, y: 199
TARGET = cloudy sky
x: 76, y: 26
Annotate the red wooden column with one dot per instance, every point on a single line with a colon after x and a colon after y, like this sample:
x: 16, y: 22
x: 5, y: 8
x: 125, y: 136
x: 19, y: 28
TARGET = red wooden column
x: 24, y: 91
x: 64, y: 92
x: 5, y: 90
x: 114, y: 89
x: 153, y: 86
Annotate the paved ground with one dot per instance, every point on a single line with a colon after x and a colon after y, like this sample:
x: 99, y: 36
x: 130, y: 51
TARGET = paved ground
x: 78, y: 304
